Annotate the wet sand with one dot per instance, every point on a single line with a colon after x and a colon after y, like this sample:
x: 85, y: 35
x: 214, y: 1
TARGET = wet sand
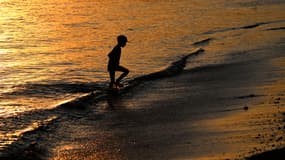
x: 217, y: 112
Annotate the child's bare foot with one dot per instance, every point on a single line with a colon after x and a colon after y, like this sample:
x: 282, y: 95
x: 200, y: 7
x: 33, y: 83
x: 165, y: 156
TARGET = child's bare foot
x: 119, y: 85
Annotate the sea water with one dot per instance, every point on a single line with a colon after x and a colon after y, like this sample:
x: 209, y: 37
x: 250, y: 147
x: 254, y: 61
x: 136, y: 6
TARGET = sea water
x: 55, y: 50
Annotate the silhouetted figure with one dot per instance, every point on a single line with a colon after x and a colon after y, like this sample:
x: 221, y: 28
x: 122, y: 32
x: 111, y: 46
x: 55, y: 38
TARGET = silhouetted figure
x: 114, y: 62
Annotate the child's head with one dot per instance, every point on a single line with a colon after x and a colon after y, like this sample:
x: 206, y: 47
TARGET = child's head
x: 122, y: 40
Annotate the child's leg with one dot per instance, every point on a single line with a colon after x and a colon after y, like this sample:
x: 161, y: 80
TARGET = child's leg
x: 112, y: 78
x: 124, y: 74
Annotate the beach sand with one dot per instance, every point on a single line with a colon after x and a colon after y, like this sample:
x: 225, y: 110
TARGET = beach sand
x: 229, y: 111
x: 225, y: 111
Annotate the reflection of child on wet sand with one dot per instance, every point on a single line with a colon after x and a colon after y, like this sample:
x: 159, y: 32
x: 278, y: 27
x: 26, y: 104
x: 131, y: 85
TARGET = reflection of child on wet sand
x: 114, y: 62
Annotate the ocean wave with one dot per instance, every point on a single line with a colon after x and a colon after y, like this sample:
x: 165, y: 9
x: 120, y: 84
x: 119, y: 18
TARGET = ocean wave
x: 275, y: 28
x: 44, y: 89
x: 174, y: 69
x: 250, y: 26
x: 202, y: 42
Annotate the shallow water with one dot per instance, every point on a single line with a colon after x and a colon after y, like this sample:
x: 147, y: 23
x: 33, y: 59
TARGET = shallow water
x: 52, y: 51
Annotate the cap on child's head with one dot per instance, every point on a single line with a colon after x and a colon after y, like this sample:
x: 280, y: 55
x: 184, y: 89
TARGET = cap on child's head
x: 122, y: 38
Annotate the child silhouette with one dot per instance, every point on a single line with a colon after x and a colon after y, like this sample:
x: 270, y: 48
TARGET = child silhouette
x: 114, y: 62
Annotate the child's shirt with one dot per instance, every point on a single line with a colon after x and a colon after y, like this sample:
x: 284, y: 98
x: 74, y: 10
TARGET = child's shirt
x: 114, y: 58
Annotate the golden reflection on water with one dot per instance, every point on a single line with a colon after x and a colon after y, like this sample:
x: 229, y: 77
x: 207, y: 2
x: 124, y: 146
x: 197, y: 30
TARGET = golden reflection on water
x: 60, y: 40
x: 81, y: 33
x: 44, y: 41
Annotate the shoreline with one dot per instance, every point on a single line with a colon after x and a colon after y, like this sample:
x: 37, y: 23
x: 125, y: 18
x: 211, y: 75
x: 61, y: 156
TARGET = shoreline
x: 198, y: 114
